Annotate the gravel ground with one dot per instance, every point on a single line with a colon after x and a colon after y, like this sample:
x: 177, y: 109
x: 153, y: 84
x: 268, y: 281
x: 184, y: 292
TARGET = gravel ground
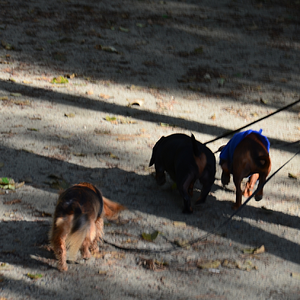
x: 138, y: 70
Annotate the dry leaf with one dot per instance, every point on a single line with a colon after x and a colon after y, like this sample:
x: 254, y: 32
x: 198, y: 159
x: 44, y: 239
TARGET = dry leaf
x: 70, y: 115
x: 138, y: 102
x: 259, y: 250
x: 11, y: 202
x: 295, y: 275
x: 90, y: 92
x: 150, y: 237
x: 111, y: 155
x: 34, y: 276
x: 213, y: 117
x: 113, y: 120
x: 293, y: 176
x: 182, y: 243
x: 179, y: 224
x: 59, y: 80
x: 16, y: 94
x: 106, y: 97
x: 209, y: 265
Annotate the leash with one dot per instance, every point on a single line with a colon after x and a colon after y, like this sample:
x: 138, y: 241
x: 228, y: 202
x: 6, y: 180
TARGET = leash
x: 175, y: 247
x: 256, y: 121
x: 243, y: 205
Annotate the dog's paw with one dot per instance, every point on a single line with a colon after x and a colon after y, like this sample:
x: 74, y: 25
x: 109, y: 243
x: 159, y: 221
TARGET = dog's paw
x: 235, y: 206
x: 225, y: 178
x: 247, y: 193
x: 258, y: 197
x: 187, y: 210
x: 62, y: 268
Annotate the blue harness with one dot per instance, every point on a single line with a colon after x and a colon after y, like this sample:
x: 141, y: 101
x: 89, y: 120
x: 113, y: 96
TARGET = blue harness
x: 228, y: 150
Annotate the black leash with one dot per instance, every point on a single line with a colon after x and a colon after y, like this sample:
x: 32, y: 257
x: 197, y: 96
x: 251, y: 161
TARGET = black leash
x: 243, y: 205
x: 265, y: 117
x: 175, y: 247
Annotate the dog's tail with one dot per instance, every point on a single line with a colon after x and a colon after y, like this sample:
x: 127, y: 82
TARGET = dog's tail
x: 154, y: 150
x: 198, y: 147
x: 111, y: 209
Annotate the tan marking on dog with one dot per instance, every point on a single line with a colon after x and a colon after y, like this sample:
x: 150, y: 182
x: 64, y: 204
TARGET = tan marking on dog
x: 201, y: 162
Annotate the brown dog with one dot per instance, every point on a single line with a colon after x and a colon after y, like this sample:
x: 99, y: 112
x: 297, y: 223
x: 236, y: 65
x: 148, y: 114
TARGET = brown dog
x: 246, y: 154
x: 78, y: 222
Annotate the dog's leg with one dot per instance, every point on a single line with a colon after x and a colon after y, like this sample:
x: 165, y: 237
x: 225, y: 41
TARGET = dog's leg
x: 191, y: 189
x: 90, y: 236
x: 62, y: 228
x: 184, y: 192
x: 225, y: 177
x: 262, y: 179
x: 206, y: 187
x: 99, y: 234
x: 237, y: 179
x: 250, y: 185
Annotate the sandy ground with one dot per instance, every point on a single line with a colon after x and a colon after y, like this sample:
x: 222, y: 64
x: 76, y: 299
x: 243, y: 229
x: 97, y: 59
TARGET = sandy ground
x: 201, y: 67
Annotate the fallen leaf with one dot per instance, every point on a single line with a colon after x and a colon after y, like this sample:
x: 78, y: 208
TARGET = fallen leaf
x: 7, y: 46
x: 150, y: 237
x: 19, y: 102
x: 296, y: 275
x: 32, y: 129
x: 101, y: 131
x: 113, y: 120
x: 182, y: 243
x: 213, y: 117
x: 259, y: 250
x: 179, y: 224
x: 11, y: 202
x: 293, y: 176
x: 166, y: 125
x: 102, y: 272
x: 123, y: 29
x: 138, y: 102
x: 111, y: 155
x: 16, y: 94
x: 59, y: 80
x: 90, y: 92
x: 209, y: 265
x: 4, y: 98
x: 126, y: 120
x: 106, y: 48
x: 70, y: 115
x: 263, y: 101
x: 7, y: 183
x: 221, y: 82
x: 34, y: 276
x: 198, y: 50
x: 71, y: 76
x: 79, y: 154
x: 106, y: 97
x: 152, y: 264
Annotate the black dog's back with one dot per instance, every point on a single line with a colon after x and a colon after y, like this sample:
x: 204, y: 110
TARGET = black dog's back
x: 185, y: 159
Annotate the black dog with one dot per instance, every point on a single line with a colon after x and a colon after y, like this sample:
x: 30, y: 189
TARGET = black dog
x: 186, y: 160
